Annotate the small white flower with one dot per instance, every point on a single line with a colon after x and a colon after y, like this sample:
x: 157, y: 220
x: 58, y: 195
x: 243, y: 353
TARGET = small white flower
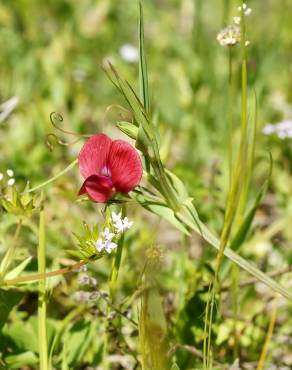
x: 236, y: 20
x: 10, y: 173
x: 11, y: 182
x: 129, y: 53
x: 127, y: 224
x: 99, y: 245
x: 120, y: 224
x: 244, y: 6
x: 248, y: 11
x: 1, y: 176
x: 109, y: 247
x: 116, y: 217
x: 107, y: 234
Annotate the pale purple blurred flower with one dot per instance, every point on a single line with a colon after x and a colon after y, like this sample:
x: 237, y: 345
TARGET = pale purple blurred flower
x: 282, y: 129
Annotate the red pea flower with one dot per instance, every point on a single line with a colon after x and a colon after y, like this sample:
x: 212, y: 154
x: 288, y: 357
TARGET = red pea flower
x: 108, y: 167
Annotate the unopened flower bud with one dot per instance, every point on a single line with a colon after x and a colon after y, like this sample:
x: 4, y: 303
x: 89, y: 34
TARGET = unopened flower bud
x: 128, y: 128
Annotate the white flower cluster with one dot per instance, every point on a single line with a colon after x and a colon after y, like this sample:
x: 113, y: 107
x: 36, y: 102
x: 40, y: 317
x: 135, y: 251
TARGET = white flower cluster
x: 106, y: 241
x: 247, y: 11
x: 230, y: 35
x: 245, y: 8
x: 10, y: 174
x: 282, y: 129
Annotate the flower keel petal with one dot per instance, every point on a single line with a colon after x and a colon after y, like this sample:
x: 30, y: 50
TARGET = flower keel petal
x: 98, y: 188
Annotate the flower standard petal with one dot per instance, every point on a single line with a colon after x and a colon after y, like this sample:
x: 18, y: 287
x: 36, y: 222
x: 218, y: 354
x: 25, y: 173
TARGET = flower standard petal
x: 94, y: 154
x: 98, y: 188
x: 125, y: 166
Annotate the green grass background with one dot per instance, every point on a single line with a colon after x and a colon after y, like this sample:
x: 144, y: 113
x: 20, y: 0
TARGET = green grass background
x: 52, y: 54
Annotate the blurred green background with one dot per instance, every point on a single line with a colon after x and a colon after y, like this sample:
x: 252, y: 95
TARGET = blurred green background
x: 52, y: 59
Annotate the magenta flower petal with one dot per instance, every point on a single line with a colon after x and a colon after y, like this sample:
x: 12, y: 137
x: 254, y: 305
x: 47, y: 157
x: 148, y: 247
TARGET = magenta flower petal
x: 94, y: 154
x: 98, y: 188
x: 125, y: 166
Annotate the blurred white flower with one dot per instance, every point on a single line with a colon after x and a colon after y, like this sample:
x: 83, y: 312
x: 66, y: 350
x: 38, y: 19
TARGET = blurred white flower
x: 269, y: 129
x: 236, y: 20
x: 282, y: 129
x: 229, y: 36
x: 246, y: 10
x: 10, y: 173
x: 11, y: 182
x: 7, y: 107
x: 1, y: 176
x: 129, y: 53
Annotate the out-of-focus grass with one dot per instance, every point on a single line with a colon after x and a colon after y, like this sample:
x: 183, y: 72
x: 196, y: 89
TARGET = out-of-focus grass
x: 51, y: 58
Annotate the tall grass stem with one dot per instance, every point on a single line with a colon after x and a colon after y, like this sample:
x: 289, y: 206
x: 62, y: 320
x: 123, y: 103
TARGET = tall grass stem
x: 42, y: 300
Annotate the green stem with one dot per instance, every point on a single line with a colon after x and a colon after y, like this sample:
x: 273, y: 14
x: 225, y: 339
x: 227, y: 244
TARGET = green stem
x: 42, y: 304
x: 117, y: 262
x: 264, y: 352
x: 234, y: 297
x: 230, y: 119
x: 235, y: 192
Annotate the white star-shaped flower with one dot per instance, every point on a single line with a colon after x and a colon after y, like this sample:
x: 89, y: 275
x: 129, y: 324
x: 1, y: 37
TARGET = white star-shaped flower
x: 107, y: 234
x: 109, y: 247
x: 99, y: 245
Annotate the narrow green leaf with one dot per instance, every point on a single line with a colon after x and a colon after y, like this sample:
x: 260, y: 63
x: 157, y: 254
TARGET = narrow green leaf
x: 143, y: 75
x: 209, y: 237
x: 18, y: 269
x: 42, y: 302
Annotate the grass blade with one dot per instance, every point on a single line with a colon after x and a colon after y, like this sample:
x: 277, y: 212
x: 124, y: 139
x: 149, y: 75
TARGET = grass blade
x: 42, y: 304
x: 143, y: 75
